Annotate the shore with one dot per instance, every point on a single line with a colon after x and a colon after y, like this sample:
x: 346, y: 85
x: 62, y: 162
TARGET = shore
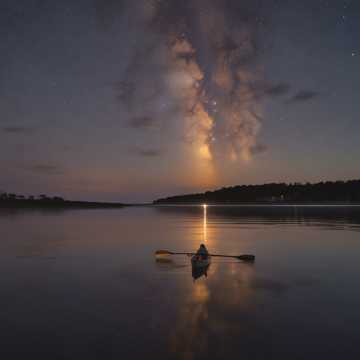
x: 64, y: 204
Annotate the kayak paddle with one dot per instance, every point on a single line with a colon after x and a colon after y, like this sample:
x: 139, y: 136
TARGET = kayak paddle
x: 244, y: 257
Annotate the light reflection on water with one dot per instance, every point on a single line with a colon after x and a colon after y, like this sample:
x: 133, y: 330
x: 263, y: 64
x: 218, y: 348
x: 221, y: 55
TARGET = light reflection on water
x: 85, y: 284
x: 205, y: 224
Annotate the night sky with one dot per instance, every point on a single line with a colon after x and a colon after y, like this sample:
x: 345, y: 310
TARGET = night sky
x: 131, y: 100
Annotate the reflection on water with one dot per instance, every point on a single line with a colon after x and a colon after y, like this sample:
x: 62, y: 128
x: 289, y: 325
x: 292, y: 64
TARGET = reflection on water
x: 197, y: 272
x: 189, y: 337
x: 211, y: 312
x: 205, y: 223
x: 84, y: 284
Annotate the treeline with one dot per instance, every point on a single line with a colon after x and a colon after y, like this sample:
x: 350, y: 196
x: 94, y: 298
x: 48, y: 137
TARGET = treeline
x: 15, y: 197
x: 10, y: 200
x: 322, y: 192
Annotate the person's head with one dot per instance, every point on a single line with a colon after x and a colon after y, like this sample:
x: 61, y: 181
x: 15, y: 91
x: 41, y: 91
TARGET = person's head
x: 202, y: 245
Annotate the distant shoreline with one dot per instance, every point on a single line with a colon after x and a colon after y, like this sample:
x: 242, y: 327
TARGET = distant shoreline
x: 67, y: 204
x: 329, y: 192
x: 64, y: 204
x: 330, y: 203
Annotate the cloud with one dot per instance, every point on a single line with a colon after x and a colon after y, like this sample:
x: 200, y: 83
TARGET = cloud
x: 259, y: 149
x: 303, y: 96
x: 277, y: 89
x: 17, y: 129
x: 147, y: 152
x: 46, y: 169
x: 262, y: 89
x: 138, y: 122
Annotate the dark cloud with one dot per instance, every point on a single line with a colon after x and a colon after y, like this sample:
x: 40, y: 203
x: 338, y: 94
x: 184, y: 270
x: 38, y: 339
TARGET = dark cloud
x: 303, y: 96
x: 278, y: 89
x: 147, y: 152
x: 261, y: 89
x: 16, y: 129
x: 47, y: 169
x: 259, y: 149
x: 139, y: 122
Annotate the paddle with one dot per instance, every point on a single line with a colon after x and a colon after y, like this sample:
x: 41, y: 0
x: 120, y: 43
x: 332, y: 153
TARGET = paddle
x: 244, y: 257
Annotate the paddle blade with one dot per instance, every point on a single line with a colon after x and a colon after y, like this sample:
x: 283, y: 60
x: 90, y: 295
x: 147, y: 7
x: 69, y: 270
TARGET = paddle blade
x: 159, y: 253
x: 246, y: 257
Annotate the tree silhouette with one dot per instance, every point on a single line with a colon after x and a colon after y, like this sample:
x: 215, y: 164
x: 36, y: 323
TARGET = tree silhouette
x: 338, y: 191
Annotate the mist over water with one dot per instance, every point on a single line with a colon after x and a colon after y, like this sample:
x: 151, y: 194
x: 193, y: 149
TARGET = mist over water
x: 85, y: 284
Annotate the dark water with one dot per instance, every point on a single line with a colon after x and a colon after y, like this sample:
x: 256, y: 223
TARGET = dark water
x: 84, y: 284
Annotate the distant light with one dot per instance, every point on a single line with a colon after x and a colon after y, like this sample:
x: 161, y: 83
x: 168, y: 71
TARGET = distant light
x: 204, y: 206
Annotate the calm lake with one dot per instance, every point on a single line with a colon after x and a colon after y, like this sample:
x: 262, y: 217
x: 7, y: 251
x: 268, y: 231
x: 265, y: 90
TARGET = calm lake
x: 84, y: 284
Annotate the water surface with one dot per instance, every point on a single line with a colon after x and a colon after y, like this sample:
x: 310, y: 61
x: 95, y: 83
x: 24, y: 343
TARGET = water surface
x: 84, y: 284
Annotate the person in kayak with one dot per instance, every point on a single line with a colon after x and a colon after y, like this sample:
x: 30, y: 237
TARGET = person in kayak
x: 202, y: 251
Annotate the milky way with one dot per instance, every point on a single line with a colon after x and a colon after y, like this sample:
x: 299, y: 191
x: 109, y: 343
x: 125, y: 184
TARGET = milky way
x: 196, y: 63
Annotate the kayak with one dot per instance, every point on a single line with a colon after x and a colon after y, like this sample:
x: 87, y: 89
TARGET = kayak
x: 199, y: 261
x: 199, y: 266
